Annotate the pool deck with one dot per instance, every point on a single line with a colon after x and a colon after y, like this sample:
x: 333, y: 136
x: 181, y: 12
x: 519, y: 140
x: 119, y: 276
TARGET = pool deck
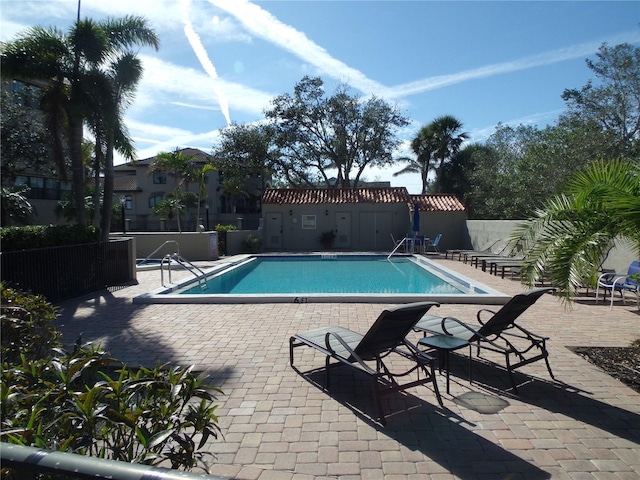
x: 278, y: 425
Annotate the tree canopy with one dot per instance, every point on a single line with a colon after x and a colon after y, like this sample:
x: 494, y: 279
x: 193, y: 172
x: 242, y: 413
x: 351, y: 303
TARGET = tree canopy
x: 318, y: 135
x: 72, y: 64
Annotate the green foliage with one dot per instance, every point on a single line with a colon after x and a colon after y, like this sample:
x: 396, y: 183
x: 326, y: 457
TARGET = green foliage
x: 15, y: 206
x: 327, y: 239
x: 225, y: 228
x: 88, y: 403
x: 27, y: 329
x: 253, y: 243
x: 42, y: 236
x: 318, y: 134
x: 25, y: 140
x: 569, y: 239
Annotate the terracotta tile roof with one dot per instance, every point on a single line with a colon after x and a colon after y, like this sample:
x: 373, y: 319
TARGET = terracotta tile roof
x: 442, y: 202
x: 307, y: 196
x: 126, y: 183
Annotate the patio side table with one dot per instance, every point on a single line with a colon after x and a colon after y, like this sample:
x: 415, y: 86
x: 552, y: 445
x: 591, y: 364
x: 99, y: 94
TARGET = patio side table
x: 444, y: 344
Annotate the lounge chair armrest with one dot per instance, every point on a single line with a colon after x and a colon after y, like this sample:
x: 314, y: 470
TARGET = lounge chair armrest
x: 450, y: 320
x: 527, y: 332
x: 327, y: 341
x: 481, y: 311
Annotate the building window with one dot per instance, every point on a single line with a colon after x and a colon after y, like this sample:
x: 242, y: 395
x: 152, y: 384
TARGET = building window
x: 51, y: 189
x: 155, y: 199
x: 159, y: 178
x: 128, y: 202
x: 308, y: 222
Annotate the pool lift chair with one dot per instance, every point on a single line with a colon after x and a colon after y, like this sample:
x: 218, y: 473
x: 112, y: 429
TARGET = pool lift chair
x: 368, y: 353
x: 498, y: 333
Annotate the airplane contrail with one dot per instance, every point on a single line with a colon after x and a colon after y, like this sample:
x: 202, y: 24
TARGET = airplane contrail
x: 203, y: 58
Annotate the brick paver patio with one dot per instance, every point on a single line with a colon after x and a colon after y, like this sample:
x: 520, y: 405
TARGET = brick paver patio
x: 279, y: 425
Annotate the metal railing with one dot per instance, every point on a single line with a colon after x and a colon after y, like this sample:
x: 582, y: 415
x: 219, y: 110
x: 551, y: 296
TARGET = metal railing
x: 31, y: 459
x: 64, y: 272
x: 176, y: 257
x: 150, y: 256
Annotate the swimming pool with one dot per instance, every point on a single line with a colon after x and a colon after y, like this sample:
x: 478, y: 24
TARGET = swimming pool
x: 305, y: 278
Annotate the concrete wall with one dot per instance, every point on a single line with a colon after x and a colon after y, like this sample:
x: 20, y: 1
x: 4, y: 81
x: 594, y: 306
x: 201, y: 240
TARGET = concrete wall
x: 482, y: 233
x: 235, y: 240
x: 357, y: 226
x: 194, y: 246
x: 452, y: 226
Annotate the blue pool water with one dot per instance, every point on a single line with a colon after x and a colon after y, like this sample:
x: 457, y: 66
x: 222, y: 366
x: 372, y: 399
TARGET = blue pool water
x: 315, y: 274
x: 337, y: 278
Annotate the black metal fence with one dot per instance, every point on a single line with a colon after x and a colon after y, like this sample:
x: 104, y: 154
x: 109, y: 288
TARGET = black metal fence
x: 59, y: 273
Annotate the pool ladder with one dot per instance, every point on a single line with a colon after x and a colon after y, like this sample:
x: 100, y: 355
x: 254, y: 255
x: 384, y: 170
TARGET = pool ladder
x: 176, y: 257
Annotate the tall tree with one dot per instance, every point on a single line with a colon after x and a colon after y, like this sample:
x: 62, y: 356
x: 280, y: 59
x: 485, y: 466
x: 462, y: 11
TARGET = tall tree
x: 318, y: 135
x: 247, y: 150
x: 24, y: 138
x: 610, y: 107
x: 446, y: 139
x: 422, y: 146
x: 68, y: 62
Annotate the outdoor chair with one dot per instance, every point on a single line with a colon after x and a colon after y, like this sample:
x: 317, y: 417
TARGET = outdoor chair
x: 499, y: 333
x: 620, y: 282
x: 368, y: 353
x: 463, y: 252
x: 433, y: 245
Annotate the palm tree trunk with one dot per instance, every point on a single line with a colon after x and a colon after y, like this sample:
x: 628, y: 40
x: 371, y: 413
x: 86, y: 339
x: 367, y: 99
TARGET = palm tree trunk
x: 107, y: 200
x: 77, y: 167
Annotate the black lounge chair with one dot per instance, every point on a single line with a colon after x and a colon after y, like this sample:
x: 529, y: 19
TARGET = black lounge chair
x: 367, y: 352
x: 499, y: 333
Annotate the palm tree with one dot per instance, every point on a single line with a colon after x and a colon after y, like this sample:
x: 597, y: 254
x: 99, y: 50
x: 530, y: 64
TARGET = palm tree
x: 422, y: 146
x: 114, y: 89
x: 446, y: 142
x: 69, y: 63
x: 569, y: 239
x: 200, y: 175
x: 180, y: 165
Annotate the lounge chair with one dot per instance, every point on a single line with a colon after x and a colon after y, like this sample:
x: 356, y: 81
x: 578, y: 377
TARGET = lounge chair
x: 462, y: 252
x: 368, y: 352
x: 499, y: 333
x: 433, y: 245
x: 620, y: 282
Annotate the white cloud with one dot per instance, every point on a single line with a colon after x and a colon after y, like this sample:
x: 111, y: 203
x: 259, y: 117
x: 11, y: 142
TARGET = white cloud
x: 203, y: 58
x: 263, y: 24
x: 547, y: 58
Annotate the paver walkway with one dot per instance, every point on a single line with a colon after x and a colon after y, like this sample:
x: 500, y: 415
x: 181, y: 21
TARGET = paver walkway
x: 278, y: 425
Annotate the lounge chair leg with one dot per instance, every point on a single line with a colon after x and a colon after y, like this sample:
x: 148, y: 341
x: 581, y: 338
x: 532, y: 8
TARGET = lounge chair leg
x: 435, y: 386
x: 513, y: 380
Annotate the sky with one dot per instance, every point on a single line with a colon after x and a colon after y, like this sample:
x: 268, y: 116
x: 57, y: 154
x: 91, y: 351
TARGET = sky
x: 221, y: 62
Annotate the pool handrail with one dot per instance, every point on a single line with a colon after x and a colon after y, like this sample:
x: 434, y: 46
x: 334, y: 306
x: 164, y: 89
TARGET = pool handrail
x: 158, y: 249
x: 176, y: 257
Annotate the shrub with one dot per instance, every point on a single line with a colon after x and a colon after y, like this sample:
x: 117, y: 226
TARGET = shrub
x: 327, y: 239
x: 253, y: 243
x: 42, y: 236
x: 88, y: 403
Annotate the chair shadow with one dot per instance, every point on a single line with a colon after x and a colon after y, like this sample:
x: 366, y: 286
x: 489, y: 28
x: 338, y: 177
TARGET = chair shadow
x: 424, y: 427
x: 551, y: 395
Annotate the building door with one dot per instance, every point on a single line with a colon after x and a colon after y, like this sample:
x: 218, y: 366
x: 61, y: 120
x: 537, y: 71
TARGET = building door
x: 273, y: 228
x: 343, y: 230
x: 375, y: 231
